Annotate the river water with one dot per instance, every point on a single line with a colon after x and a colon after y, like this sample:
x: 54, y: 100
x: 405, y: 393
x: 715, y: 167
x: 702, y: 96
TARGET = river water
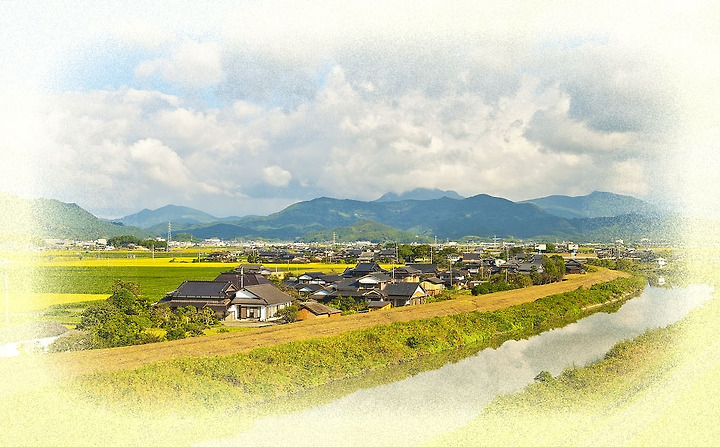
x: 35, y: 345
x: 429, y: 404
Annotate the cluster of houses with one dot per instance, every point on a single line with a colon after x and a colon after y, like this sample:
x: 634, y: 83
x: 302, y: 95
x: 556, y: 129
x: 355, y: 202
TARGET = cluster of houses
x: 246, y: 293
x: 368, y: 282
x: 633, y: 254
x: 233, y: 295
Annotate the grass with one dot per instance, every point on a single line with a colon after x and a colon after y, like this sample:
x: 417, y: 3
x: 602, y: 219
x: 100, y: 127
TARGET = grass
x: 204, y: 379
x: 658, y: 389
x: 244, y: 341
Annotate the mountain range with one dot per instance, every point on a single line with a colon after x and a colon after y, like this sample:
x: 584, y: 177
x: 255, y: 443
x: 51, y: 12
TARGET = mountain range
x: 595, y: 204
x: 417, y: 215
x: 49, y: 218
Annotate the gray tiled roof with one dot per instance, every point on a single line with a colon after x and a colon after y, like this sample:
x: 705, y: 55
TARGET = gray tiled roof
x: 204, y: 289
x: 248, y: 279
x: 266, y: 293
x: 319, y: 309
x: 403, y: 289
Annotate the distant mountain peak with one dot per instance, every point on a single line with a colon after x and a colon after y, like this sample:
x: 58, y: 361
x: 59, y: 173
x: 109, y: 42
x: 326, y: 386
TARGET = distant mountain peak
x: 419, y: 194
x: 168, y: 213
x: 595, y: 204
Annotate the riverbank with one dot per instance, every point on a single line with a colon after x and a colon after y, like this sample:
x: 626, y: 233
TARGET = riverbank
x: 658, y: 389
x: 86, y: 362
x: 277, y: 371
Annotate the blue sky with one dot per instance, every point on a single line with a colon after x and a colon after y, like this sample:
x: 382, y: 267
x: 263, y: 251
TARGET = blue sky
x: 246, y: 107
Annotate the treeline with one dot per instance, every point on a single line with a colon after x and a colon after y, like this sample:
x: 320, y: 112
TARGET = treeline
x: 126, y: 241
x: 276, y: 371
x: 127, y: 318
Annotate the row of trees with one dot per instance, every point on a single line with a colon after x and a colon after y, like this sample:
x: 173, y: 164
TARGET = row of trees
x: 126, y: 241
x: 128, y: 318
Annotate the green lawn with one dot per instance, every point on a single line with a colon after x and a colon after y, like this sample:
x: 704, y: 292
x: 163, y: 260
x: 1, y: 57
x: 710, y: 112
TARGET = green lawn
x: 154, y: 281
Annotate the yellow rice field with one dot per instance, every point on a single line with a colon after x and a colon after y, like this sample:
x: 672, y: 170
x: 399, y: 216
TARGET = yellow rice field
x: 33, y: 302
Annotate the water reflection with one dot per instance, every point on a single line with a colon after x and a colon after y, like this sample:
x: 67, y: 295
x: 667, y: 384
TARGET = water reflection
x: 431, y: 403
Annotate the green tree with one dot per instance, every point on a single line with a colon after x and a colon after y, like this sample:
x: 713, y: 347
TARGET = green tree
x: 96, y: 314
x: 405, y: 253
x: 288, y: 314
x: 535, y: 275
x: 422, y: 251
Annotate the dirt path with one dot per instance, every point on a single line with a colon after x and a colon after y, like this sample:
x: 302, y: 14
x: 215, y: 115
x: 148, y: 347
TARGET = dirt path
x: 129, y: 357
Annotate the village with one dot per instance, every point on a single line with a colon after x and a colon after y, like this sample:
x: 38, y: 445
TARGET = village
x: 254, y: 293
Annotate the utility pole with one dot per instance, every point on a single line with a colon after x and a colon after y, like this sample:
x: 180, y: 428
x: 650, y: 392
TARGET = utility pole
x: 507, y: 259
x: 169, y: 235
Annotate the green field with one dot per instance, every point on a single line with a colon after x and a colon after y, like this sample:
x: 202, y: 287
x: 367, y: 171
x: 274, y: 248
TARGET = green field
x: 154, y: 281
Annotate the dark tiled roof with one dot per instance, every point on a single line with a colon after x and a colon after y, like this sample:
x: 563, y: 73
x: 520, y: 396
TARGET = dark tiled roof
x: 248, y: 279
x: 265, y: 293
x: 425, y: 268
x: 331, y: 278
x: 377, y: 304
x: 347, y: 284
x: 210, y: 289
x: 308, y: 287
x: 434, y: 280
x: 403, y: 289
x: 408, y: 271
x: 199, y: 304
x: 319, y: 309
x: 382, y: 277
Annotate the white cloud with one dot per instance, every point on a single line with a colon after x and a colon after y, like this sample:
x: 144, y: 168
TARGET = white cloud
x: 160, y: 162
x: 352, y: 101
x: 277, y: 176
x: 192, y: 64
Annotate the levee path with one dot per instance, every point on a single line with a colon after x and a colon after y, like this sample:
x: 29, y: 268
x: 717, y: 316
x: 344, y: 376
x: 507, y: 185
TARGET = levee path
x: 85, y: 362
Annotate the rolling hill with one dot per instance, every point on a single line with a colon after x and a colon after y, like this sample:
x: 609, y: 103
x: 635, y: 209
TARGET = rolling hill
x: 595, y: 204
x: 182, y: 215
x: 419, y: 194
x: 47, y: 218
x: 480, y: 216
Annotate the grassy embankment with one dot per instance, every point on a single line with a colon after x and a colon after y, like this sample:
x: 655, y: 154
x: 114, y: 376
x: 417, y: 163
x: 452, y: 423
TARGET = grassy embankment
x: 275, y: 371
x: 658, y: 389
x: 230, y: 343
x: 179, y: 401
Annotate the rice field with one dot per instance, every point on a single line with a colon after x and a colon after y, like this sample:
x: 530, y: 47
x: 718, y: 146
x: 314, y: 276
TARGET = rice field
x: 39, y: 281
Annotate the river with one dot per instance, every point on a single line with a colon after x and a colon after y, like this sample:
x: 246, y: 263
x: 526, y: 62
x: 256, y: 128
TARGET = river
x: 35, y: 345
x: 429, y: 404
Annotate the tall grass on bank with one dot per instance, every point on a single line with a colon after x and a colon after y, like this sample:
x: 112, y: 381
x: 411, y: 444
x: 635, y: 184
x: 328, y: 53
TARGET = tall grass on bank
x: 267, y: 373
x: 657, y: 389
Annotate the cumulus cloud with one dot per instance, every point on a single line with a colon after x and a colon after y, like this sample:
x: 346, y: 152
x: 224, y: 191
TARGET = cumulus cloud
x: 159, y: 162
x: 377, y: 98
x: 192, y: 64
x: 277, y: 176
x: 558, y: 132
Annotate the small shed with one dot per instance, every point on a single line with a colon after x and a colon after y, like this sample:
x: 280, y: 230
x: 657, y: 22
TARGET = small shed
x: 312, y: 309
x: 378, y: 305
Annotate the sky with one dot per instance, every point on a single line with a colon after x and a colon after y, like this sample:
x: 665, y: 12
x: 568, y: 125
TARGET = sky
x: 245, y: 107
